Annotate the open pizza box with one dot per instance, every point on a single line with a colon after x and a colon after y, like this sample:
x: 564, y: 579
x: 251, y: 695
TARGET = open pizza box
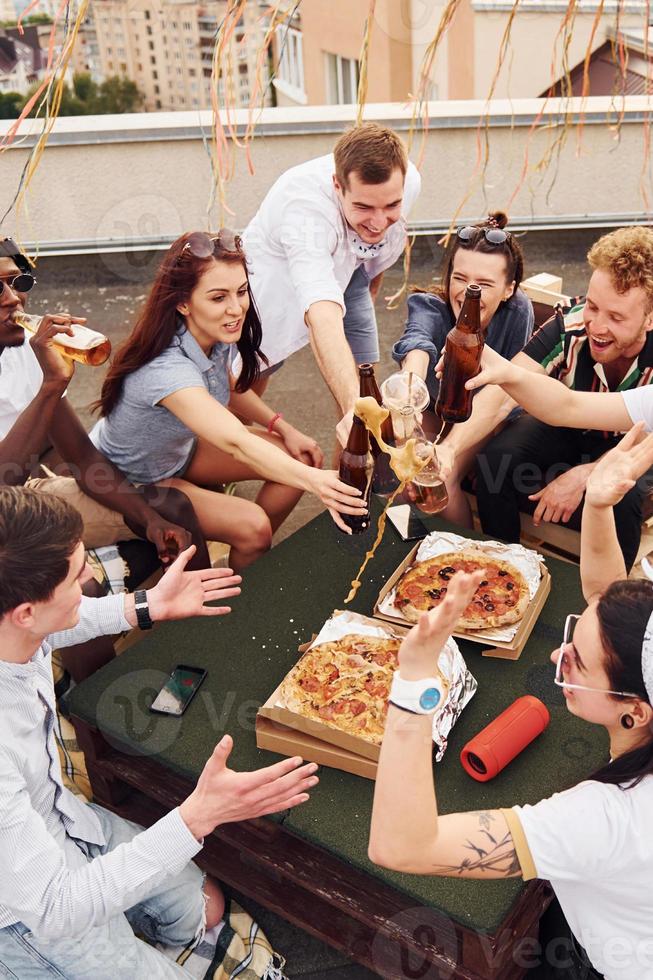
x: 506, y: 642
x: 282, y: 730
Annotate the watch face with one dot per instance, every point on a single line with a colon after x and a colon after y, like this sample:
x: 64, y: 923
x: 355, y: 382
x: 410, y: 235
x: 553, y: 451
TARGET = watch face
x: 429, y: 699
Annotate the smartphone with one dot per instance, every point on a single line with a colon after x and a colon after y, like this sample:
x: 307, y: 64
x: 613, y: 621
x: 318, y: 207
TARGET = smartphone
x: 179, y: 690
x: 407, y: 522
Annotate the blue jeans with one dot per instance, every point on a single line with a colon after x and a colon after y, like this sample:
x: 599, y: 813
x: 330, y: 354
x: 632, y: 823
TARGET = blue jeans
x: 173, y: 916
x: 360, y: 319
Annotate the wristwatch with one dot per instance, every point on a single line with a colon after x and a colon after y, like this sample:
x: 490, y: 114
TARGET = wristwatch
x: 142, y: 608
x: 423, y: 697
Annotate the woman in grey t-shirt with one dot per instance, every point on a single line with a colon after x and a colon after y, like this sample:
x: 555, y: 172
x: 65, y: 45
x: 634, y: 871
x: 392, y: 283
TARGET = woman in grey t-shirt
x: 172, y: 402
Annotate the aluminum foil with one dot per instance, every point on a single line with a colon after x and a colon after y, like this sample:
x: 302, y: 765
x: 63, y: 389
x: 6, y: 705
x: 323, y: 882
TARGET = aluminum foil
x: 462, y: 684
x: 528, y: 562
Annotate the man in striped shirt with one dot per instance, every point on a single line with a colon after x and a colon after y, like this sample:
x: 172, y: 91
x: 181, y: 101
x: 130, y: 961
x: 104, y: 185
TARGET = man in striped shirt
x: 76, y: 881
x: 604, y: 345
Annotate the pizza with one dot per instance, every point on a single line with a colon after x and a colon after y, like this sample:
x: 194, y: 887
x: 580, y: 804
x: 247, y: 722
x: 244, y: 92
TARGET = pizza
x: 344, y: 684
x: 501, y: 598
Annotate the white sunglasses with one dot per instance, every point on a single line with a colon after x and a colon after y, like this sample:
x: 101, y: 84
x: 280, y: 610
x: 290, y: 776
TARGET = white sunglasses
x: 564, y: 662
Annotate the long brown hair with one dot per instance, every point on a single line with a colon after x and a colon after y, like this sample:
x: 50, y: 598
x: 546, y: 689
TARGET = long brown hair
x: 159, y: 320
x: 510, y: 250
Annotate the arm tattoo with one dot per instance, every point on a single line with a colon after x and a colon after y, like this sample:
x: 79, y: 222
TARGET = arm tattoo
x: 488, y: 853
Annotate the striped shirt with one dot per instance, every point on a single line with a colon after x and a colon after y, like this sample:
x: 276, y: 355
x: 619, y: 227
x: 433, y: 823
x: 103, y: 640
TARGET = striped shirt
x: 47, y: 881
x: 561, y: 347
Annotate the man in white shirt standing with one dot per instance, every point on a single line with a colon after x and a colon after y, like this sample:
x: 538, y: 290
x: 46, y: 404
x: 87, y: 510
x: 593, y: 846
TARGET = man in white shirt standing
x: 317, y: 249
x: 75, y: 879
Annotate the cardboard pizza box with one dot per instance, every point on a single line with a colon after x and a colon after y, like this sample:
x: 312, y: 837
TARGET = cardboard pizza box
x: 288, y: 741
x: 506, y: 650
x: 316, y: 730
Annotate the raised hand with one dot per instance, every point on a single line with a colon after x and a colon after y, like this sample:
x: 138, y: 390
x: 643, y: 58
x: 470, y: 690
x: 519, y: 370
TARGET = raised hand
x: 420, y: 649
x: 179, y: 594
x: 618, y: 471
x: 494, y: 370
x: 224, y: 796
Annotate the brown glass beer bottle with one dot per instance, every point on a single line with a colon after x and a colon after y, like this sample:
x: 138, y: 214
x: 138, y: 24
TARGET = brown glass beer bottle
x: 356, y: 469
x: 384, y: 480
x: 462, y: 360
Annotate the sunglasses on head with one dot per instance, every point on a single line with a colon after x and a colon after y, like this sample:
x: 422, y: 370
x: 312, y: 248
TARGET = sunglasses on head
x: 203, y: 246
x: 493, y: 236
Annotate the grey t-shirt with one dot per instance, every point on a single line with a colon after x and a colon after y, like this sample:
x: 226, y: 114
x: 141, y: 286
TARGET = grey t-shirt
x: 145, y: 440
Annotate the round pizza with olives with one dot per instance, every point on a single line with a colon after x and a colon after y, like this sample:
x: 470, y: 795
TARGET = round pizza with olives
x: 501, y: 598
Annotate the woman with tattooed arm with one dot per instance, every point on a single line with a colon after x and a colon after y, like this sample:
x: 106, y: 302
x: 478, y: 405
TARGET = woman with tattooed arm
x: 592, y: 842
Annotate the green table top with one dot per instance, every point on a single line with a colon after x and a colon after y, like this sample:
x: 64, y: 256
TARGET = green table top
x: 287, y: 595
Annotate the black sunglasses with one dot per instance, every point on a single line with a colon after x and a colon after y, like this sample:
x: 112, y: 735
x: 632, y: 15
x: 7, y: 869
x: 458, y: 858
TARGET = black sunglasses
x: 493, y: 236
x: 22, y: 283
x: 202, y: 245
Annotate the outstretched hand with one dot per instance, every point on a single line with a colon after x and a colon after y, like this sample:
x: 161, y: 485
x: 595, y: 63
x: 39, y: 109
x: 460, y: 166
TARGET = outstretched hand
x: 618, y: 471
x: 179, y: 593
x: 224, y: 796
x: 420, y: 649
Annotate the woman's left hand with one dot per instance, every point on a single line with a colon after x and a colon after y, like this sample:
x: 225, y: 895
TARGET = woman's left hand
x: 301, y: 447
x: 180, y: 594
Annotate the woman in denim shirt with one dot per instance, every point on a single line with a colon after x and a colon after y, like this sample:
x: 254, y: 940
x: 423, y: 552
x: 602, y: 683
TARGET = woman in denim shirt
x: 487, y: 255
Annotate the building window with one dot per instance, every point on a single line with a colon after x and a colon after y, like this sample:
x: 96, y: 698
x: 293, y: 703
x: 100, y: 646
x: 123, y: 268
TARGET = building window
x: 152, y: 60
x: 149, y: 30
x: 290, y: 71
x: 147, y: 15
x: 242, y: 69
x: 155, y: 74
x: 123, y: 66
x: 150, y: 45
x: 158, y: 103
x: 157, y: 90
x: 139, y: 66
x: 342, y: 79
x: 192, y: 72
x: 187, y: 25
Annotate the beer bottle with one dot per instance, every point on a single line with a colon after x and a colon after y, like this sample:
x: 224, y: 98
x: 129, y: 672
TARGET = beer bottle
x: 462, y: 360
x: 356, y: 469
x: 384, y: 480
x: 86, y: 346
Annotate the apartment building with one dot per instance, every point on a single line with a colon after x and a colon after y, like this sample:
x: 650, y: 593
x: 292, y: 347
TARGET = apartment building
x: 317, y: 54
x: 166, y: 47
x: 7, y: 11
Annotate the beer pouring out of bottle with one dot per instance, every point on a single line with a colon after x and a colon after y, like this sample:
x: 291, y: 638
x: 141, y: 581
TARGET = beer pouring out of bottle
x: 406, y: 461
x: 85, y: 345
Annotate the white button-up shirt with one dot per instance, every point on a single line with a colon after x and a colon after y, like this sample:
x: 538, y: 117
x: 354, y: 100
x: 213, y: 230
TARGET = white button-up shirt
x: 300, y: 250
x: 46, y: 881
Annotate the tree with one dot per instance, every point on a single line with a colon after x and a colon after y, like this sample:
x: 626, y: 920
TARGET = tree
x: 115, y: 95
x: 10, y: 105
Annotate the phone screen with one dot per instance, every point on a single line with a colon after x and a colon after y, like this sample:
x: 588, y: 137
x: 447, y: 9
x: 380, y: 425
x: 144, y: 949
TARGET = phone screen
x: 179, y: 690
x: 407, y: 522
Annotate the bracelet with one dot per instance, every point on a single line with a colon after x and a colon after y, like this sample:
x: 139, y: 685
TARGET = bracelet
x: 271, y: 423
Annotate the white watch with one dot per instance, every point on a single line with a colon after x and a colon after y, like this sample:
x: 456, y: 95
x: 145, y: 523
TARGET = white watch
x: 423, y: 697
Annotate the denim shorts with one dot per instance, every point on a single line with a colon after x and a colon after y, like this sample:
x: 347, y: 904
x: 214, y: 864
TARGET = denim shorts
x: 360, y: 319
x: 173, y: 915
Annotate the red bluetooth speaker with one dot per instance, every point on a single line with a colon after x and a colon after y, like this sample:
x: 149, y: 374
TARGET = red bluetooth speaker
x: 503, y: 739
